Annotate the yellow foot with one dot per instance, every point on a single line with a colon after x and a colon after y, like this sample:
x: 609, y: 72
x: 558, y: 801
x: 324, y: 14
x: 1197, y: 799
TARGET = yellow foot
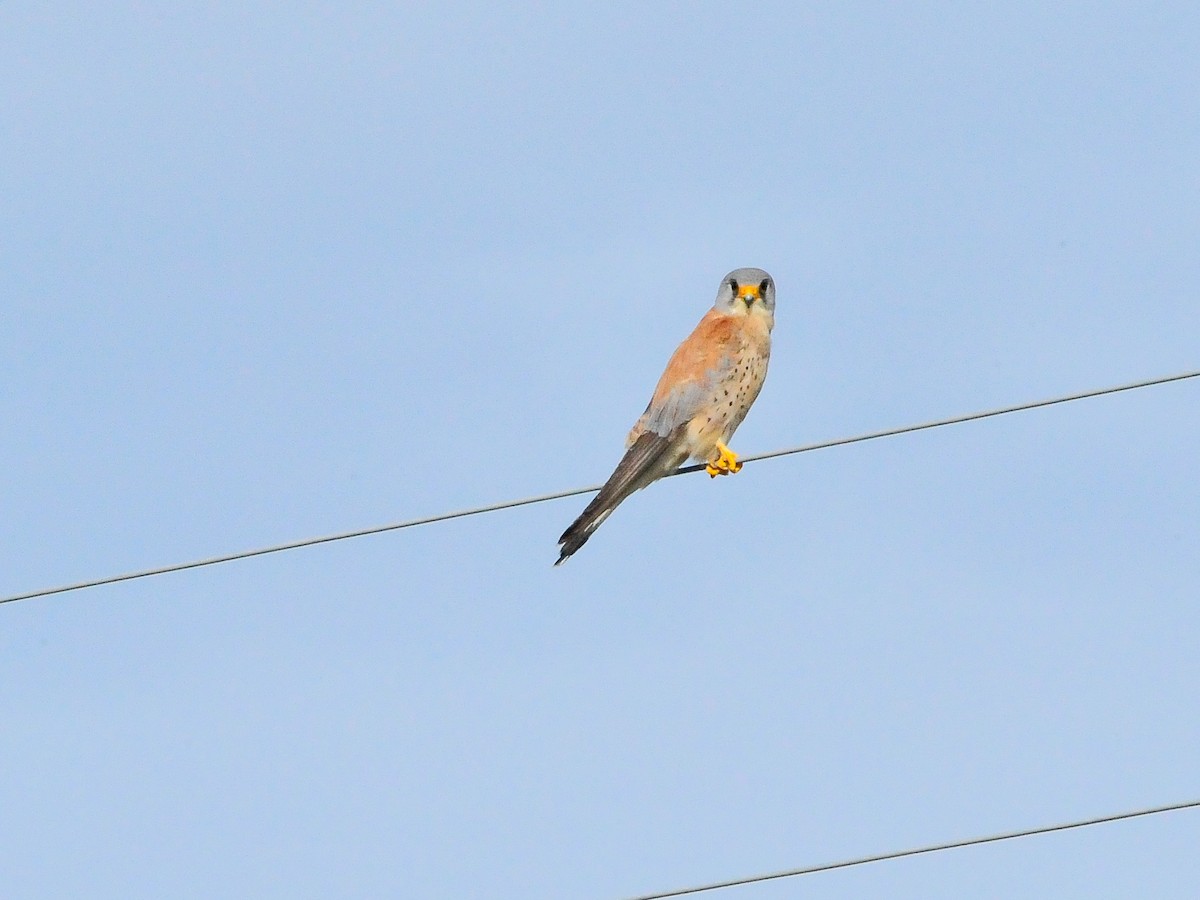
x: 725, y: 463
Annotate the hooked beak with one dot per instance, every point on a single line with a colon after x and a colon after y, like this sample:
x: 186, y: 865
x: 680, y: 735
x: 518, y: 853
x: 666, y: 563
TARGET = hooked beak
x: 749, y: 293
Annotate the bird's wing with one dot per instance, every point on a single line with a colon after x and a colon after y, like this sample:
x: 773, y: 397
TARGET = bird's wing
x: 686, y: 385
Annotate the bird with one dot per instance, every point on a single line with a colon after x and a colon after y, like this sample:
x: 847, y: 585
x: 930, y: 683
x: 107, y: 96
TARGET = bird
x: 709, y: 384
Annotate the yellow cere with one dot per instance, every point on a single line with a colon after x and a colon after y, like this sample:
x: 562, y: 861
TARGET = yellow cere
x: 748, y: 290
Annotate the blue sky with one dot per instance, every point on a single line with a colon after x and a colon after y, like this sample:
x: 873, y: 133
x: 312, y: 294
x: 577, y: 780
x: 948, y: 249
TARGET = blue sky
x: 273, y: 271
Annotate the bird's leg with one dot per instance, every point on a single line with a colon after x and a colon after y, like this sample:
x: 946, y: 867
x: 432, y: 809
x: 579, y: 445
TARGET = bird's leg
x: 725, y: 463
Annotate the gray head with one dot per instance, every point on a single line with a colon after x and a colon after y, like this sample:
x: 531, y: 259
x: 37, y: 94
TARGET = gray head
x: 746, y: 290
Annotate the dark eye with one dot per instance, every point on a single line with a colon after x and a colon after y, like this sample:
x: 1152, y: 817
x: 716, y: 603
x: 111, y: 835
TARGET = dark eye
x: 733, y: 284
x: 763, y: 285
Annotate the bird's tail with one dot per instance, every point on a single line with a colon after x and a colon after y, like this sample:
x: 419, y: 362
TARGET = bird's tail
x: 643, y: 463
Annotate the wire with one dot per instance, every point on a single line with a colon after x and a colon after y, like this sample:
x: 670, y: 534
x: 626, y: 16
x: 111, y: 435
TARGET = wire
x: 558, y: 495
x: 918, y: 851
x: 955, y: 420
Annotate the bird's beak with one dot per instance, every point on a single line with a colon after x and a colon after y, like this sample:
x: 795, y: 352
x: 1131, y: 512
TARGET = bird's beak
x: 749, y: 293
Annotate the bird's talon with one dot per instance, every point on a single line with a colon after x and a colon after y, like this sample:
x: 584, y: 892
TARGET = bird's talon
x: 726, y: 463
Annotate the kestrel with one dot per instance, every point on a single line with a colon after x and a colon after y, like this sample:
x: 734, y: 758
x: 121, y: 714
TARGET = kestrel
x: 707, y: 389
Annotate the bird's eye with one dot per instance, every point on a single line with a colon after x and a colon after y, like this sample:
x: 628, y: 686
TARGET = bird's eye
x: 763, y: 286
x: 733, y: 284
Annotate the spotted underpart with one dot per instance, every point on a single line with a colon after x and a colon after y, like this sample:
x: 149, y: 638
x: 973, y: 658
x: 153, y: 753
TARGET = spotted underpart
x: 709, y: 385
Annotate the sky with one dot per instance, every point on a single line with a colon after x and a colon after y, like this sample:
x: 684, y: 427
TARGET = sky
x: 273, y: 271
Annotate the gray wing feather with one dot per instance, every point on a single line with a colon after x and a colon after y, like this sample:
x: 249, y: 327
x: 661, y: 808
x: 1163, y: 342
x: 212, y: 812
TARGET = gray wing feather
x: 685, y: 401
x: 679, y: 407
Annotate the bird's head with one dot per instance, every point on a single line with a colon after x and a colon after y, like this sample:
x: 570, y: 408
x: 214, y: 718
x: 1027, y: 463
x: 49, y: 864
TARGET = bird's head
x: 747, y: 292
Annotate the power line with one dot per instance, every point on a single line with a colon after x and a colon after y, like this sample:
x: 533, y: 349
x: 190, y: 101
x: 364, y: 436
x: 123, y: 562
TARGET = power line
x: 558, y: 495
x: 955, y: 420
x: 918, y: 851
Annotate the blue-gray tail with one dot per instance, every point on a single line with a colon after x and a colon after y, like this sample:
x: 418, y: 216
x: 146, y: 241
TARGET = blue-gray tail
x: 641, y: 465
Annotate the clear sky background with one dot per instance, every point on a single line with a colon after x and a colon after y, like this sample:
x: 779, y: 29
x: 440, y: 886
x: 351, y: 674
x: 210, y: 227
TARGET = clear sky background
x: 277, y: 270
